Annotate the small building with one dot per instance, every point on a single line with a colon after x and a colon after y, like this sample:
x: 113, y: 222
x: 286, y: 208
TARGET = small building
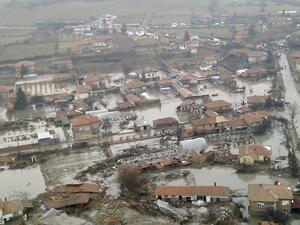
x: 254, y: 119
x: 255, y: 73
x: 257, y: 57
x: 185, y: 93
x: 85, y: 126
x: 141, y: 125
x: 164, y: 123
x: 197, y: 144
x: 193, y: 193
x: 83, y: 92
x: 165, y: 83
x: 263, y: 197
x: 258, y: 101
x: 218, y: 106
x: 95, y: 81
x: 135, y: 86
x: 44, y: 138
x: 252, y: 153
x: 150, y: 75
x: 10, y: 210
x: 236, y: 125
x: 185, y: 106
x: 209, y: 125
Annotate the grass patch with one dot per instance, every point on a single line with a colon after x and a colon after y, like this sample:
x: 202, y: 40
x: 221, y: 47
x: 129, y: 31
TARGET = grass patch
x: 28, y: 51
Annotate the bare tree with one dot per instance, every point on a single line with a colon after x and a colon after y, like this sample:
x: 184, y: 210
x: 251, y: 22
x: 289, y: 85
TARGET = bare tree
x: 293, y: 111
x: 131, y: 179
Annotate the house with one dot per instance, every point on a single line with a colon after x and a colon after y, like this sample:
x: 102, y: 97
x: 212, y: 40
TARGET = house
x: 95, y: 81
x: 263, y: 197
x: 10, y: 210
x: 150, y: 75
x: 185, y: 93
x: 132, y: 98
x: 84, y: 126
x: 209, y: 125
x: 252, y: 153
x: 164, y: 83
x: 197, y: 144
x: 239, y: 52
x: 185, y: 79
x: 125, y: 106
x: 141, y: 125
x: 83, y: 92
x: 165, y: 123
x: 258, y: 101
x: 44, y: 138
x: 135, y: 86
x: 254, y: 119
x: 185, y: 106
x: 257, y: 57
x: 218, y: 106
x: 193, y: 193
x: 236, y: 125
x: 255, y: 73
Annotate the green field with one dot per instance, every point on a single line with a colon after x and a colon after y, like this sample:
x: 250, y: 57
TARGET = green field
x: 164, y: 11
x: 218, y: 32
x: 26, y: 51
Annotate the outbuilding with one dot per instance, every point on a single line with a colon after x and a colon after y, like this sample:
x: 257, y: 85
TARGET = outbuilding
x: 197, y: 144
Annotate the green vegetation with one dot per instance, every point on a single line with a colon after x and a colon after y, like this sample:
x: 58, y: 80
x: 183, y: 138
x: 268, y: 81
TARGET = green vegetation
x: 293, y: 164
x: 21, y: 101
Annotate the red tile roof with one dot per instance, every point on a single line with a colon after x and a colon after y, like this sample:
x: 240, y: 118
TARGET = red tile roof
x: 217, y: 104
x: 164, y: 122
x: 84, y: 120
x: 254, y: 150
x: 192, y: 191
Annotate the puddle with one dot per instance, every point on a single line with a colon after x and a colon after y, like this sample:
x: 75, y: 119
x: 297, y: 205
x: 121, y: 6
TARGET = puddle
x: 22, y: 183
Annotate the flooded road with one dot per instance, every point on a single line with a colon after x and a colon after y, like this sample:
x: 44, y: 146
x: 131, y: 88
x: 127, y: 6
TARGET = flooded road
x: 291, y: 93
x: 22, y: 183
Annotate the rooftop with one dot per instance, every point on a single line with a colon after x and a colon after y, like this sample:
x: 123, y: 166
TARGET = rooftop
x: 257, y: 99
x: 84, y: 120
x: 268, y: 193
x: 254, y: 150
x: 217, y: 104
x: 135, y: 84
x: 192, y: 191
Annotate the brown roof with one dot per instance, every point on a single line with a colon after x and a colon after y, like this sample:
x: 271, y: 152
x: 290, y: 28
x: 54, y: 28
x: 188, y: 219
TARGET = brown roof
x: 83, y: 89
x: 135, y: 84
x: 192, y: 191
x: 209, y: 120
x: 256, y: 54
x: 92, y: 78
x: 239, y: 51
x: 9, y: 207
x: 165, y: 121
x: 217, y: 104
x: 133, y: 98
x: 254, y: 150
x: 186, y: 93
x: 76, y: 199
x: 268, y: 193
x: 84, y: 120
x: 253, y: 117
x: 257, y: 99
x: 164, y: 82
x: 7, y: 159
x: 211, y: 114
x: 125, y: 105
x: 236, y: 123
x: 78, y: 188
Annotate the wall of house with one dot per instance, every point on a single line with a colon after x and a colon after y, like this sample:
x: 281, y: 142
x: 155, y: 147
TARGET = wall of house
x: 256, y: 208
x: 247, y: 160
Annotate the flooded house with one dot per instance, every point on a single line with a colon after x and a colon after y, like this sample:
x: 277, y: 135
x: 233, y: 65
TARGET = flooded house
x: 268, y: 196
x: 193, y: 193
x: 85, y: 126
x: 10, y: 210
x: 164, y: 84
x: 255, y: 73
x: 218, y: 106
x: 236, y: 125
x: 257, y: 57
x: 185, y: 106
x: 141, y: 125
x: 254, y: 153
x: 209, y: 125
x: 135, y: 86
x: 165, y: 123
x: 258, y: 102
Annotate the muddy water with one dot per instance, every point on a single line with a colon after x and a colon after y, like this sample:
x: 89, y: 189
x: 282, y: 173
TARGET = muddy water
x: 167, y: 109
x: 22, y: 183
x: 222, y: 176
